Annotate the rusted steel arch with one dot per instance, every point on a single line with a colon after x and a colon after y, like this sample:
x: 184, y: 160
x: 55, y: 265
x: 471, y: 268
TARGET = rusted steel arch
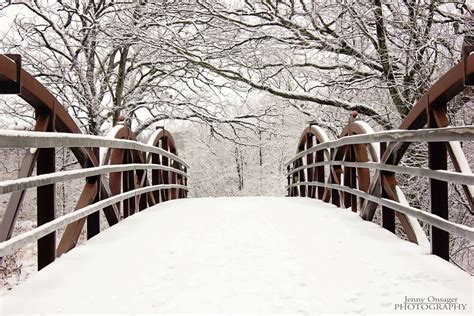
x: 354, y: 153
x: 38, y: 96
x: 127, y: 180
x: 358, y: 127
x: 362, y: 152
x: 163, y: 139
x: 310, y: 137
x: 432, y: 104
x: 435, y: 99
x: 51, y: 116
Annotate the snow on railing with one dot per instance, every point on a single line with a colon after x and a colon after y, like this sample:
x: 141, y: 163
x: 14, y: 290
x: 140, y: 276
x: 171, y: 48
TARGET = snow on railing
x: 21, y: 139
x: 430, y: 134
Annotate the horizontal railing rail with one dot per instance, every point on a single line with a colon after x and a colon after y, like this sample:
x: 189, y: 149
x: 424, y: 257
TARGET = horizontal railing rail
x: 443, y: 175
x: 21, y: 139
x: 8, y: 186
x: 429, y: 134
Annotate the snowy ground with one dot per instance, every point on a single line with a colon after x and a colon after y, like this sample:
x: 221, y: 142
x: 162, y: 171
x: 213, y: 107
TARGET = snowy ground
x: 241, y: 255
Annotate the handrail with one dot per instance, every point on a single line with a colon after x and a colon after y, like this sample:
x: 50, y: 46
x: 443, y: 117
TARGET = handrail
x: 20, y: 139
x: 429, y: 134
x: 443, y: 175
x: 8, y: 186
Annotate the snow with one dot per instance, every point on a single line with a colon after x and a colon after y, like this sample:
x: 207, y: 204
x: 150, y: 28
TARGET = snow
x: 240, y: 255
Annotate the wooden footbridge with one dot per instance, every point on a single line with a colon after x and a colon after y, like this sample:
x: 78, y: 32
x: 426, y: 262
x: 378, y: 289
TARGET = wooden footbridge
x: 304, y: 240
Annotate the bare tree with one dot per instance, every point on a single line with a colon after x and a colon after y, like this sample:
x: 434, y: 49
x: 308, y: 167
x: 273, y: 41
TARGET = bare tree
x: 376, y: 57
x: 86, y: 54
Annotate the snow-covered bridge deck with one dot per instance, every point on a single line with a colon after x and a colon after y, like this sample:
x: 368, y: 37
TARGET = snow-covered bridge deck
x: 239, y: 255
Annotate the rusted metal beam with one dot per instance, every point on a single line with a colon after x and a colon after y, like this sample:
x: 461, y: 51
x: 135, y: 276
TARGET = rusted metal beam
x: 13, y: 79
x: 310, y: 160
x: 388, y: 215
x: 8, y: 85
x: 43, y: 101
x: 93, y: 220
x: 165, y: 194
x: 438, y: 95
x: 73, y: 230
x: 438, y: 160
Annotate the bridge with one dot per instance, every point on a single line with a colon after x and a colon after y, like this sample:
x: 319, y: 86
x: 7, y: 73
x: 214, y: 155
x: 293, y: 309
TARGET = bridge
x: 316, y: 250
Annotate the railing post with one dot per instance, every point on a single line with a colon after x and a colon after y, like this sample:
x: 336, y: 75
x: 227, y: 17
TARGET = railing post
x: 294, y: 179
x: 350, y: 179
x: 319, y: 171
x: 132, y: 176
x: 388, y: 215
x: 173, y: 180
x: 128, y: 184
x: 310, y: 171
x: 142, y: 198
x: 438, y: 160
x: 46, y: 200
x: 93, y: 220
x: 335, y: 177
x: 165, y: 194
x: 301, y: 177
x: 181, y: 182
x: 185, y: 193
x: 156, y: 176
x: 289, y: 180
x: 353, y: 180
